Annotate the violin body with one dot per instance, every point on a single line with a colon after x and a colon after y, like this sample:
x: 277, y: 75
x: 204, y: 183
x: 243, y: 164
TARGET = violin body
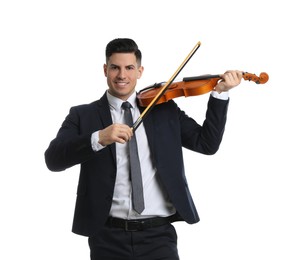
x: 176, y: 89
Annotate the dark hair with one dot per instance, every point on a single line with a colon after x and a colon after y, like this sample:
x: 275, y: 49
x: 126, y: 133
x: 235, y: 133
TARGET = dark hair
x: 123, y: 45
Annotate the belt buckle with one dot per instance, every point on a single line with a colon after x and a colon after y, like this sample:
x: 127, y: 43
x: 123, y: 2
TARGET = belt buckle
x: 133, y: 225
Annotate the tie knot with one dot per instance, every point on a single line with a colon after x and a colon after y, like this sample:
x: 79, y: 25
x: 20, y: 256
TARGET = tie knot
x: 126, y: 105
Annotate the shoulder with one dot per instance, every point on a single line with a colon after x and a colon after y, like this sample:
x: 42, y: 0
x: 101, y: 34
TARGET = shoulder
x: 102, y: 102
x: 166, y: 111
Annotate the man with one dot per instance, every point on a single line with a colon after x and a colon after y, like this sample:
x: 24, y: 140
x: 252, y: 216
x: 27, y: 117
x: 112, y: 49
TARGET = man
x: 97, y: 137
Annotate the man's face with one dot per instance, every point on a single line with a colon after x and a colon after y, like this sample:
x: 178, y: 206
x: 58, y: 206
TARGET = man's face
x: 122, y: 72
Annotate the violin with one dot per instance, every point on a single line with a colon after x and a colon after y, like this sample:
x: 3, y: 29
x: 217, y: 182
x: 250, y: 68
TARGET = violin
x: 189, y: 86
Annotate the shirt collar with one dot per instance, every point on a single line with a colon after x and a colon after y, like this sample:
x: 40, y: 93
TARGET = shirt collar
x: 115, y: 103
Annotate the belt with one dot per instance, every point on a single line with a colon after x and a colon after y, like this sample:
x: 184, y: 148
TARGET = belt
x: 138, y: 224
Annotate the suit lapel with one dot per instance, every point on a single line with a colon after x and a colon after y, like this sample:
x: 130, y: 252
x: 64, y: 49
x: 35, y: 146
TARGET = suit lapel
x: 149, y: 128
x: 105, y: 116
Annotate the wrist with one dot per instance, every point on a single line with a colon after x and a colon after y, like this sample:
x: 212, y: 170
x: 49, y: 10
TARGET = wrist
x: 95, y: 143
x: 220, y: 95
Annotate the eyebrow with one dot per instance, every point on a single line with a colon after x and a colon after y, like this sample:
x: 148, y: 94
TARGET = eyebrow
x: 130, y: 65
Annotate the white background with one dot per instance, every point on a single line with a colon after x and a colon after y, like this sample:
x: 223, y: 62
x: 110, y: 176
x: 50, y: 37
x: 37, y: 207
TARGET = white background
x: 51, y: 57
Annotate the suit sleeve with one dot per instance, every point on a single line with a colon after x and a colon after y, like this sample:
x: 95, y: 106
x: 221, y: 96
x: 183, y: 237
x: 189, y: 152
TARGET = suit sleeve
x: 71, y: 146
x: 205, y: 138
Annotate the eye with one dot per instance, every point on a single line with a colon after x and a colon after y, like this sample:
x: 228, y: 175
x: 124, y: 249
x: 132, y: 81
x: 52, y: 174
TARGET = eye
x: 113, y: 67
x: 130, y: 67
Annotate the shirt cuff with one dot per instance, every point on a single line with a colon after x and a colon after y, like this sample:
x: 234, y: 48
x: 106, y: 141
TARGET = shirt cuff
x: 223, y: 95
x: 96, y: 146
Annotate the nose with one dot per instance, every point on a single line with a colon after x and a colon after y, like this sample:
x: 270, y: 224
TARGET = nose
x: 121, y: 74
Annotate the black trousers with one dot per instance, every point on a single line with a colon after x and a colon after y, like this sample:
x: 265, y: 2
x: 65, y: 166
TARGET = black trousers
x: 158, y: 243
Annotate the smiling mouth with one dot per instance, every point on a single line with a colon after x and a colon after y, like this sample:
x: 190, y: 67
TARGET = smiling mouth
x: 121, y: 84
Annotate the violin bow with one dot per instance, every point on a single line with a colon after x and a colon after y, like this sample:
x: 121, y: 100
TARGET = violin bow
x: 164, y: 88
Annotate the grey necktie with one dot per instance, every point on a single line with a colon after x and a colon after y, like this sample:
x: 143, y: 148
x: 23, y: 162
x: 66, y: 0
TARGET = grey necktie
x: 135, y: 170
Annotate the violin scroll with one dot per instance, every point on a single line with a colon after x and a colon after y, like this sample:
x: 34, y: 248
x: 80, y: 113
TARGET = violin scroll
x: 263, y: 77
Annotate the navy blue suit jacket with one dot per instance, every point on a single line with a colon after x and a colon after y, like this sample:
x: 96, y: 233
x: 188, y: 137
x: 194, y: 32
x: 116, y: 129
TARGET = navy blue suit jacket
x: 168, y: 130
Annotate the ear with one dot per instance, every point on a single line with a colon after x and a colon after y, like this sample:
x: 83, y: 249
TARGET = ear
x: 140, y: 72
x: 105, y: 70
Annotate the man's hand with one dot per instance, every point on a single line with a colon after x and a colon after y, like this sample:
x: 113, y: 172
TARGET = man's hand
x: 115, y: 133
x: 230, y: 79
